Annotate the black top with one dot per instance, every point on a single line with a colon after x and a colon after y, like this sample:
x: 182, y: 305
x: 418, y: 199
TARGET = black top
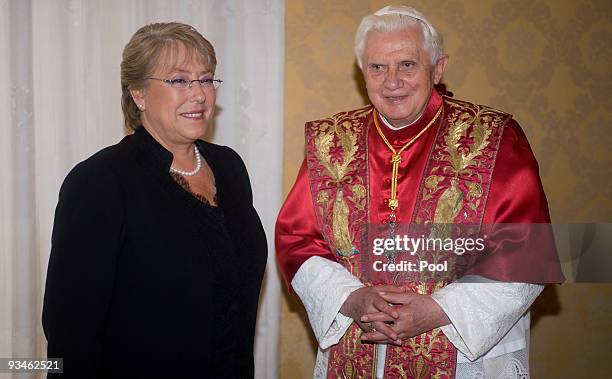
x: 145, y: 280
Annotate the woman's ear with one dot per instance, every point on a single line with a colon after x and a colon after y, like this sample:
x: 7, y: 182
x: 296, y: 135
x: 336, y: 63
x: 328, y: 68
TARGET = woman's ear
x: 138, y: 97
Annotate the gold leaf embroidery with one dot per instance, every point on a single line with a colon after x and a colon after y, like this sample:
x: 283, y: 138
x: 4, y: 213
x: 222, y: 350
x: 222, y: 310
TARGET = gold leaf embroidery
x: 460, y: 157
x: 419, y: 369
x: 323, y: 144
x: 474, y: 190
x: 348, y: 141
x: 323, y: 197
x: 470, y: 127
x: 432, y: 181
x: 449, y: 204
x: 340, y: 226
x: 348, y: 371
x: 359, y: 191
x: 448, y: 207
x: 339, y: 135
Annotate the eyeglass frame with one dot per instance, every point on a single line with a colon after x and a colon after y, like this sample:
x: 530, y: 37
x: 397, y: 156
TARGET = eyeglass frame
x: 215, y: 83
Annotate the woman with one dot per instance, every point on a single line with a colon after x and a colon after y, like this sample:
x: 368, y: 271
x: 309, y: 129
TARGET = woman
x: 157, y: 253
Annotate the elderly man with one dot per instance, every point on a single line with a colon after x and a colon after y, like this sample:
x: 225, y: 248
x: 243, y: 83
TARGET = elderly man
x: 412, y: 157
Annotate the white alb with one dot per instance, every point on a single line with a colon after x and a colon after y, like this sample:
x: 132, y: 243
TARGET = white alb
x: 490, y: 320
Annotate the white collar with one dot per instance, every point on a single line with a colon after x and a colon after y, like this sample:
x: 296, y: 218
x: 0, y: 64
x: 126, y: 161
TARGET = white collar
x: 392, y: 127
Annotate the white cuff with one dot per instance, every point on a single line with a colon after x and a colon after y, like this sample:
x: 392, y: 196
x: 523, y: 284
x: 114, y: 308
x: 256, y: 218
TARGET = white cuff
x: 482, y: 312
x: 323, y: 286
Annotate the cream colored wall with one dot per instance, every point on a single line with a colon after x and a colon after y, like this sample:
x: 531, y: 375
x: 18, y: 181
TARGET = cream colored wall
x: 548, y: 62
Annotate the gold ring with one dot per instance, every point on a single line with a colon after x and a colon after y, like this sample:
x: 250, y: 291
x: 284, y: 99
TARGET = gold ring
x: 371, y: 329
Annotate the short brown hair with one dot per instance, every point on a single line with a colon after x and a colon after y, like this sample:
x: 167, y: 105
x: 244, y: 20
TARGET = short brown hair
x: 151, y: 46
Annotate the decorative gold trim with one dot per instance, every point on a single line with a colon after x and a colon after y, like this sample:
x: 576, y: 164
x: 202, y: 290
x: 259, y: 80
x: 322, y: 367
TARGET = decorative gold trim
x: 396, y: 157
x: 335, y: 152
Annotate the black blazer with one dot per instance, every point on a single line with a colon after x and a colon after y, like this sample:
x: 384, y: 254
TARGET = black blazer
x: 146, y: 281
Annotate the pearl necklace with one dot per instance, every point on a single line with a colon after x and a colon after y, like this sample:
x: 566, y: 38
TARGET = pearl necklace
x: 198, y: 165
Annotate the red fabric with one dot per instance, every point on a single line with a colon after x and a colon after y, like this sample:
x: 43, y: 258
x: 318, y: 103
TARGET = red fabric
x: 516, y: 196
x: 411, y: 167
x: 297, y: 233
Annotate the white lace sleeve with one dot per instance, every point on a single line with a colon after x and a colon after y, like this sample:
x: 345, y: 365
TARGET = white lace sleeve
x: 323, y: 286
x: 482, y: 312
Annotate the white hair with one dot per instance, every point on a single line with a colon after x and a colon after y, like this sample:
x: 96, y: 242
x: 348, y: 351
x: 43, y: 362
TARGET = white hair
x: 398, y: 17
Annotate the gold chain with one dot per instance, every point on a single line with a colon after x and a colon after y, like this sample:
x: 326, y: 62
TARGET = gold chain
x: 396, y: 157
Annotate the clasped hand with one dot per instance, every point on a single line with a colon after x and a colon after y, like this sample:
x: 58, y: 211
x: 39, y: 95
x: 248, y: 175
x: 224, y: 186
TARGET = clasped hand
x: 394, y: 313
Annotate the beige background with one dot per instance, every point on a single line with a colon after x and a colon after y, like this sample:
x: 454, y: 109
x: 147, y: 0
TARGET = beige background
x: 548, y: 62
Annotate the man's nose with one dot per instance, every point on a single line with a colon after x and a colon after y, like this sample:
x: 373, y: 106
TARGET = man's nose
x: 392, y: 79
